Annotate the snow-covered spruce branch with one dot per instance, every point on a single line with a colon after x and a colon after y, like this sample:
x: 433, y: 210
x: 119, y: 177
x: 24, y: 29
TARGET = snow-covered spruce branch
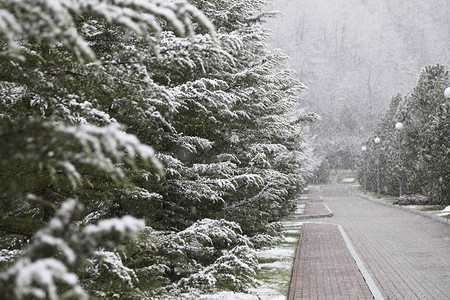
x: 235, y: 270
x: 61, y: 148
x: 101, y: 143
x: 52, y: 21
x: 45, y: 271
x: 191, y: 251
x: 110, y: 140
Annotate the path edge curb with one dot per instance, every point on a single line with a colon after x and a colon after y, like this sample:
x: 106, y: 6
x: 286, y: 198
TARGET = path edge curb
x: 367, y: 277
x: 304, y: 217
x: 291, y: 291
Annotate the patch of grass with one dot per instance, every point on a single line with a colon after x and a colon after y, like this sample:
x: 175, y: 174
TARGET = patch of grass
x: 299, y: 208
x: 385, y: 198
x: 278, y: 278
x: 276, y: 264
x: 266, y: 260
x: 276, y: 270
x: 291, y: 234
x: 431, y: 207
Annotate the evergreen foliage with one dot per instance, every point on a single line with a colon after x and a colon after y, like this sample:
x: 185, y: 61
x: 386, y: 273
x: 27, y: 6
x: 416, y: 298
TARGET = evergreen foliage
x: 174, y: 113
x: 425, y: 141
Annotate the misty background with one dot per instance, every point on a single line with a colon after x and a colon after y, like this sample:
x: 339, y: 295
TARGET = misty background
x: 354, y: 56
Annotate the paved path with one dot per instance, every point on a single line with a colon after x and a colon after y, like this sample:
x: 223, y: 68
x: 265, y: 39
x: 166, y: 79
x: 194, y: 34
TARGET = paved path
x: 324, y: 268
x: 317, y: 208
x: 407, y: 255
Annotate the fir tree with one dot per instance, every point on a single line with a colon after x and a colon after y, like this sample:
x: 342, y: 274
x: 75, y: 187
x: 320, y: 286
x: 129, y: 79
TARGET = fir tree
x: 152, y: 109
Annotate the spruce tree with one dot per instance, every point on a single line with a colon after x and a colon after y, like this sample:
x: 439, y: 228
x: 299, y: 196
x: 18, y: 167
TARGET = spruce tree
x: 152, y: 109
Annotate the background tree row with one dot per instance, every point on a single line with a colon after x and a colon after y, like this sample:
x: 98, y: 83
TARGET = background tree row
x: 425, y: 141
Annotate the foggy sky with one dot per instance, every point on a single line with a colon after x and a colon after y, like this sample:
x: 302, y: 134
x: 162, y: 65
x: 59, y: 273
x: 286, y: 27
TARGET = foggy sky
x: 355, y: 55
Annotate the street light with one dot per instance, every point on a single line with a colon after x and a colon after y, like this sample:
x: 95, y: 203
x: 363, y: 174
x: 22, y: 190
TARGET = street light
x: 447, y: 92
x: 364, y: 149
x: 399, y: 127
x: 377, y: 141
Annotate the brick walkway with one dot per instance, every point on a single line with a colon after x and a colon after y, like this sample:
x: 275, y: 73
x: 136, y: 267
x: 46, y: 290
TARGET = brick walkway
x: 407, y: 255
x: 324, y: 268
x: 316, y: 208
x: 314, y: 194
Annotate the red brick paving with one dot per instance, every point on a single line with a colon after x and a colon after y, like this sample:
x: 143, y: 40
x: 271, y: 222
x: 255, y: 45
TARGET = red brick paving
x: 324, y: 268
x: 316, y: 208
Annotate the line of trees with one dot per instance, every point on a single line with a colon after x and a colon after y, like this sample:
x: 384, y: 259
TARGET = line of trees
x: 113, y: 113
x: 424, y: 141
x: 354, y: 56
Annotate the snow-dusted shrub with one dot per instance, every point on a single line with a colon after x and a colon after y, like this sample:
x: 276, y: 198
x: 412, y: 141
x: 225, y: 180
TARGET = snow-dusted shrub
x: 235, y: 271
x: 209, y: 255
x: 412, y: 200
x: 220, y: 234
x: 106, y: 275
x: 269, y: 237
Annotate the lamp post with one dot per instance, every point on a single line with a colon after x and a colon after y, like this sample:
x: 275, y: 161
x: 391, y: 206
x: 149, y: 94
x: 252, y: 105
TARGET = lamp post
x: 364, y: 149
x: 377, y: 141
x: 447, y: 92
x: 399, y: 127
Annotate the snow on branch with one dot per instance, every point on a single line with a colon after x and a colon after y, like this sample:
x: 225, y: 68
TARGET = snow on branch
x: 235, y: 270
x: 100, y: 143
x: 111, y: 230
x: 225, y: 169
x: 52, y: 21
x: 63, y: 149
x: 39, y: 280
x: 193, y: 143
x: 45, y: 270
x: 248, y: 180
x: 213, y: 233
x: 107, y: 263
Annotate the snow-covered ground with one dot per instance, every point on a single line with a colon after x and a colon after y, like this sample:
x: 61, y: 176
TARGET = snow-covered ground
x: 431, y: 209
x: 444, y: 212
